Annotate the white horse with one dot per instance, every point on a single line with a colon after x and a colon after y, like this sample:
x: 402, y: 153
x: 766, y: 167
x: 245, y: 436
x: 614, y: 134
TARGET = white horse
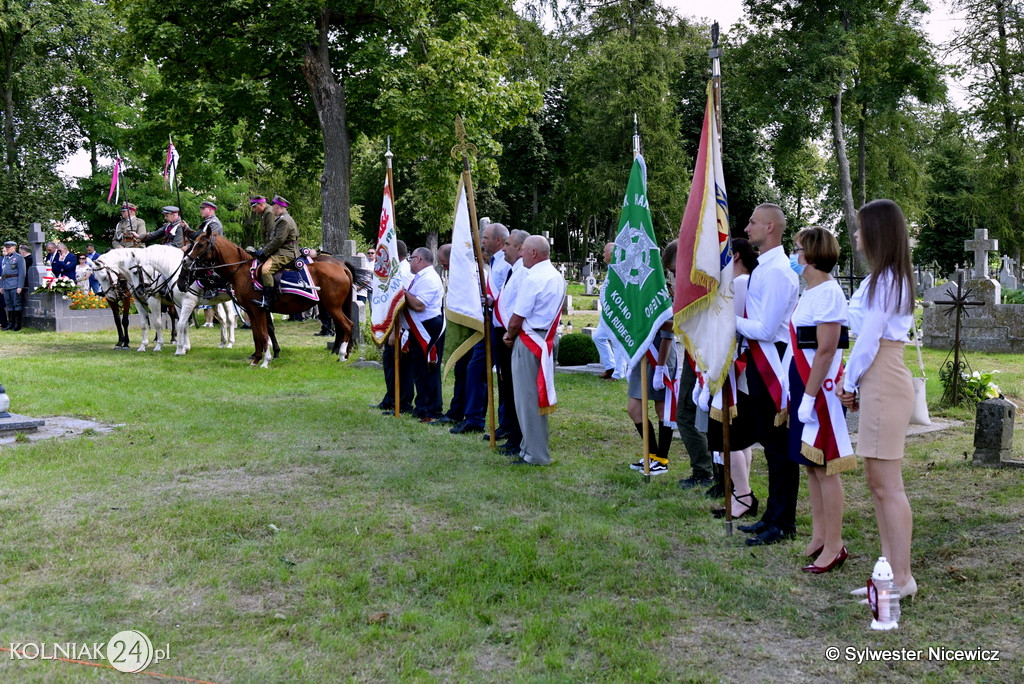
x: 117, y: 265
x: 157, y: 269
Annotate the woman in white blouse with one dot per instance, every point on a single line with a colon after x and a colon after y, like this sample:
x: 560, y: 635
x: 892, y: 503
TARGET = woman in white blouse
x: 881, y: 313
x: 818, y: 438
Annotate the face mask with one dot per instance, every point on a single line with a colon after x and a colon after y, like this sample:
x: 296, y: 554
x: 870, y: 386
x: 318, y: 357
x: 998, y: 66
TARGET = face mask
x: 794, y: 263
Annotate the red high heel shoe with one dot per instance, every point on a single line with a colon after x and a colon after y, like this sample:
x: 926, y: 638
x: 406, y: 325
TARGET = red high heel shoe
x: 836, y: 563
x: 813, y: 555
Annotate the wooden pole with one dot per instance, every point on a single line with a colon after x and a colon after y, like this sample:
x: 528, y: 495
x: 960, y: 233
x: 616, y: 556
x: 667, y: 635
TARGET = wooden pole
x: 464, y: 148
x: 398, y: 310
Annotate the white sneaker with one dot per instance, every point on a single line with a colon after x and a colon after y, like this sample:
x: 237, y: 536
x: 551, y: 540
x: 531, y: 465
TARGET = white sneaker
x: 657, y: 468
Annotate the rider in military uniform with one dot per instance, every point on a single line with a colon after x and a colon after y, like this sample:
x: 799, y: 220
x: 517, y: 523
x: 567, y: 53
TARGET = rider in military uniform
x: 262, y: 209
x: 127, y: 226
x: 280, y: 250
x: 208, y: 211
x: 12, y: 283
x: 172, y: 232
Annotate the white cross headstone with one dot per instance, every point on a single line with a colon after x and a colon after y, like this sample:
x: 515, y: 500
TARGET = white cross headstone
x: 981, y: 246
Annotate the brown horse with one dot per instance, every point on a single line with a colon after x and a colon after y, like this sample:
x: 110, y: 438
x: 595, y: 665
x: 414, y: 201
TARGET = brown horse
x: 335, y: 280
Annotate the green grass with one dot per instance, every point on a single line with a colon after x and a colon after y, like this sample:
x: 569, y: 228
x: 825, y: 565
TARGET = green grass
x: 263, y: 522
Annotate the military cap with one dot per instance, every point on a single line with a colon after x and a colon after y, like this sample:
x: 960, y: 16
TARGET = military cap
x: 208, y: 204
x: 258, y: 199
x: 10, y: 243
x: 171, y: 210
x: 128, y: 206
x: 279, y: 201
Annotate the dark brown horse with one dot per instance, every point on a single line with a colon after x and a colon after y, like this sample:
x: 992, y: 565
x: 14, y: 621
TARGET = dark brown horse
x: 334, y: 278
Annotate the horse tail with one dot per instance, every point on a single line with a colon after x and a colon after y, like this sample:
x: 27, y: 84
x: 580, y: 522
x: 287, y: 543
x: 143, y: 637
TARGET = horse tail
x: 361, y: 277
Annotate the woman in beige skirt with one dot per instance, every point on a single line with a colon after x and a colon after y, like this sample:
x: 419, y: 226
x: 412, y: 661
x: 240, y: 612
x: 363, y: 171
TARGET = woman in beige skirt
x: 881, y: 313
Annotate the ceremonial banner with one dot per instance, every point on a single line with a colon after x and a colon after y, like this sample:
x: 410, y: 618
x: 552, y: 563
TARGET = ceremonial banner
x: 170, y: 165
x: 704, y: 314
x: 463, y: 308
x: 387, y: 294
x: 635, y: 302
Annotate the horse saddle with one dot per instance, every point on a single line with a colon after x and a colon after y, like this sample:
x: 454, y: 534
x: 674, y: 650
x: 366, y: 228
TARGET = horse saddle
x: 294, y: 279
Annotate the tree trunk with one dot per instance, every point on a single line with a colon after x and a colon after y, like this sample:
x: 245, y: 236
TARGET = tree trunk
x: 329, y: 100
x: 11, y: 158
x: 845, y: 184
x: 862, y: 161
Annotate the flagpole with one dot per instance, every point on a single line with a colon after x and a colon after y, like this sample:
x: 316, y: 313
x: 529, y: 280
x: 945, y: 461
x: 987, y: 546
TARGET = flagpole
x: 715, y: 53
x: 645, y: 455
x: 394, y: 325
x: 463, y: 149
x: 174, y: 169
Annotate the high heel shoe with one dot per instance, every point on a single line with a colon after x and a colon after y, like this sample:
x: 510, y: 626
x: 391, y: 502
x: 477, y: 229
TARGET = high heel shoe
x: 909, y: 590
x: 836, y: 563
x: 751, y: 507
x: 816, y: 552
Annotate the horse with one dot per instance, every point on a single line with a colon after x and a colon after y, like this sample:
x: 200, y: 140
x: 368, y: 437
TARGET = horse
x: 113, y: 269
x: 333, y: 279
x: 115, y: 290
x: 159, y: 269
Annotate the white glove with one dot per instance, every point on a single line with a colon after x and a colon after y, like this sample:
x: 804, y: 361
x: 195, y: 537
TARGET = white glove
x: 806, y: 412
x: 704, y: 400
x: 659, y: 377
x: 695, y: 394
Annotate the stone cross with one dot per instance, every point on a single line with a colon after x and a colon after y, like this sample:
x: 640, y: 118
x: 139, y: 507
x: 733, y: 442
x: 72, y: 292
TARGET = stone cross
x: 551, y: 240
x: 36, y: 238
x: 981, y: 246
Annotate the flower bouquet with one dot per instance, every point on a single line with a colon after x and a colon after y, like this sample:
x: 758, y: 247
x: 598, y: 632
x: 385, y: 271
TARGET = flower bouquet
x: 85, y: 300
x: 62, y: 286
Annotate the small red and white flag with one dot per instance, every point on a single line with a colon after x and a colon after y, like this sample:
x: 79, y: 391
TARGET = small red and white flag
x: 170, y: 165
x: 115, y: 182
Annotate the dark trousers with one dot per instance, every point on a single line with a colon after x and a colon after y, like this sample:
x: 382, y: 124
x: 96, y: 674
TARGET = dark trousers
x: 695, y: 441
x: 405, y: 377
x: 457, y: 407
x: 783, y: 472
x: 426, y: 377
x: 476, y: 386
x: 508, y: 420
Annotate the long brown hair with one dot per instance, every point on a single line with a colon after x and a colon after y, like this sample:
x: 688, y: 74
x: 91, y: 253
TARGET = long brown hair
x: 885, y: 241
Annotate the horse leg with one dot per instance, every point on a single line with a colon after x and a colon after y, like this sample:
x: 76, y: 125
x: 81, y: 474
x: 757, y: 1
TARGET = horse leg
x: 188, y: 304
x: 157, y: 321
x: 144, y: 320
x: 114, y: 306
x: 126, y: 309
x: 226, y: 312
x: 343, y: 332
x: 273, y: 336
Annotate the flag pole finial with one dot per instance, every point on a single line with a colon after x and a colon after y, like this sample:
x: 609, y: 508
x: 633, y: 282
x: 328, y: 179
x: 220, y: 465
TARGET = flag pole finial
x: 636, y: 137
x: 463, y: 149
x: 388, y: 155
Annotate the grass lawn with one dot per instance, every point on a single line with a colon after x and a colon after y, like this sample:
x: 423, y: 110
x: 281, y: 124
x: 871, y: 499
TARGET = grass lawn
x: 269, y: 526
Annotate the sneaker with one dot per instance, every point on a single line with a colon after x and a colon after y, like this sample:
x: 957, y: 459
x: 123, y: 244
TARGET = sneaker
x: 639, y: 465
x: 657, y: 468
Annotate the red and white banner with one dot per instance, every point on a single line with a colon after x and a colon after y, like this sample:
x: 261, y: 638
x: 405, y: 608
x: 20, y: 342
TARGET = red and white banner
x: 387, y: 293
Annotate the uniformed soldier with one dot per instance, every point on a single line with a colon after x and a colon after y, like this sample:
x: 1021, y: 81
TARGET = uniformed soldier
x: 172, y: 232
x: 262, y: 209
x: 208, y: 211
x: 127, y: 226
x: 12, y: 283
x: 280, y: 250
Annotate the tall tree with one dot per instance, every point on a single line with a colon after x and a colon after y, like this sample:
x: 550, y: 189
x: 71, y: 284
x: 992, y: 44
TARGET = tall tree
x: 306, y: 74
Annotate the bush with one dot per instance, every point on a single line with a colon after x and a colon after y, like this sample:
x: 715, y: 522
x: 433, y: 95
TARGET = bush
x: 1013, y: 296
x: 577, y: 349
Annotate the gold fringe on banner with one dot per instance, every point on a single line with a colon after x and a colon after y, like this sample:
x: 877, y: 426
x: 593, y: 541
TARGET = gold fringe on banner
x: 812, y: 453
x: 547, y: 410
x: 716, y: 414
x: 781, y: 417
x: 841, y: 465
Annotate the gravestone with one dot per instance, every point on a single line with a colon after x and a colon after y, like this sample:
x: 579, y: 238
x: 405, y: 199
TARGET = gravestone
x: 993, y: 432
x: 567, y: 305
x: 589, y: 281
x: 992, y: 327
x: 12, y: 422
x: 1006, y: 278
x: 981, y: 245
x: 927, y: 281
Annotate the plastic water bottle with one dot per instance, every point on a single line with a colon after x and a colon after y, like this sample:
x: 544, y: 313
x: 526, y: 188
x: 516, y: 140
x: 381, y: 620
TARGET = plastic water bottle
x: 883, y: 597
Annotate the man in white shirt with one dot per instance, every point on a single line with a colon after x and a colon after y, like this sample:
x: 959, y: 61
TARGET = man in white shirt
x: 424, y: 303
x: 387, y: 359
x: 509, y: 421
x: 531, y: 331
x: 771, y: 298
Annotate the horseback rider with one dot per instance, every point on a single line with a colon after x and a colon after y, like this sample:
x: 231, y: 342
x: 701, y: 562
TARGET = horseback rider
x: 128, y: 225
x: 171, y: 233
x: 280, y: 250
x: 262, y: 209
x: 208, y: 210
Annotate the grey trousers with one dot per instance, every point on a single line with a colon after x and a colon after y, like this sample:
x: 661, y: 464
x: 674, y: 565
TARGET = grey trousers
x: 534, y: 447
x: 695, y: 441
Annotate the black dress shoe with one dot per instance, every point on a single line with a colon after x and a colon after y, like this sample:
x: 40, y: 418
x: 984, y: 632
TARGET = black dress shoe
x: 465, y: 427
x: 754, y: 528
x: 695, y: 481
x: 519, y: 461
x: 443, y: 420
x: 772, y: 535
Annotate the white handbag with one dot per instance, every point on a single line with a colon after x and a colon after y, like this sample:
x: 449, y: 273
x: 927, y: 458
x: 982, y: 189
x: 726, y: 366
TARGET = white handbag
x: 919, y: 416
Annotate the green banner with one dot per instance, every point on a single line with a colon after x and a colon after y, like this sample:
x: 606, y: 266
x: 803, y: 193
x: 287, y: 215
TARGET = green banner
x: 635, y: 302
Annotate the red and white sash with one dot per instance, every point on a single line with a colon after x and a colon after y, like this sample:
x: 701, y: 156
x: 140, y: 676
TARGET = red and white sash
x: 541, y: 347
x: 826, y: 442
x: 668, y: 413
x: 427, y: 343
x: 769, y: 366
